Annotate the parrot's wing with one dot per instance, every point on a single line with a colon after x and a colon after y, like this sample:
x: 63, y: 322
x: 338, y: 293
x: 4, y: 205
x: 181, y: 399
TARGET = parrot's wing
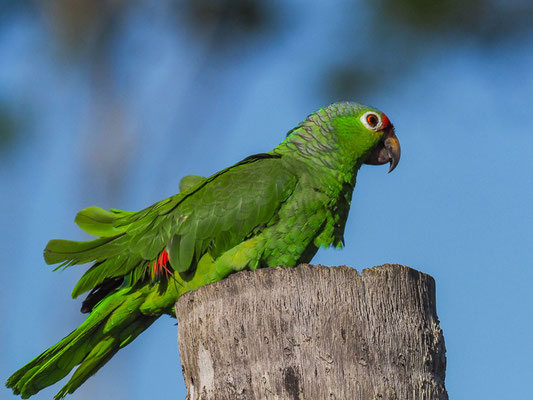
x: 212, y: 215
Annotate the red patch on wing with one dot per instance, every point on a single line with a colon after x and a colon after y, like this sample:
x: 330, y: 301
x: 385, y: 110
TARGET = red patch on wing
x: 161, y: 264
x: 384, y: 121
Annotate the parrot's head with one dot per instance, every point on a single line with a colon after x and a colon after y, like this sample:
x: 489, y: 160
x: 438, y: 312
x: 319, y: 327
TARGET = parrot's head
x: 367, y: 135
x: 349, y: 133
x: 386, y: 148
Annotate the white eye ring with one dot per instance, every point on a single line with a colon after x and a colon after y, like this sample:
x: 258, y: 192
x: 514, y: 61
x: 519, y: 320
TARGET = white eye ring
x: 372, y: 121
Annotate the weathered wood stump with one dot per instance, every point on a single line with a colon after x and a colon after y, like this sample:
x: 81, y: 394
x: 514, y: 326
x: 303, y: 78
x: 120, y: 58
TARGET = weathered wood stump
x: 313, y: 332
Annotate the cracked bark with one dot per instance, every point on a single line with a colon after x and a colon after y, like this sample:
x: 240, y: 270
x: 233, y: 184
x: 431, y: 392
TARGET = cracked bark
x: 313, y: 332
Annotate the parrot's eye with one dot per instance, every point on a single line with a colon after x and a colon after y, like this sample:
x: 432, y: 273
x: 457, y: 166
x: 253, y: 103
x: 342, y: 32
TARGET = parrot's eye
x: 371, y: 120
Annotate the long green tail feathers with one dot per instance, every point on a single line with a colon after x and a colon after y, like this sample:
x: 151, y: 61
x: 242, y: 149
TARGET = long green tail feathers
x: 113, y: 324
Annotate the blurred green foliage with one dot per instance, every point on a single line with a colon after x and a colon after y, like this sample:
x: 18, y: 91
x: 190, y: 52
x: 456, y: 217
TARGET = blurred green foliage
x: 15, y: 121
x: 245, y: 15
x: 405, y: 32
x: 486, y: 21
x: 8, y: 129
x: 399, y: 32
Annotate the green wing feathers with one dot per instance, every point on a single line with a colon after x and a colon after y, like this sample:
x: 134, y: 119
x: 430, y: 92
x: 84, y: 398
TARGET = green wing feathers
x: 70, y: 252
x: 211, y: 216
x: 189, y: 181
x: 226, y: 211
x: 99, y: 222
x: 130, y: 240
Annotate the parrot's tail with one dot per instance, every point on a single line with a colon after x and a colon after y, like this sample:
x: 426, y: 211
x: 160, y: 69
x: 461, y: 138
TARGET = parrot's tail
x: 112, y: 324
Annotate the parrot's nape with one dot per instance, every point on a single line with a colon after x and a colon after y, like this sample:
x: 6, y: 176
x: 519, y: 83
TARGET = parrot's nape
x: 270, y: 209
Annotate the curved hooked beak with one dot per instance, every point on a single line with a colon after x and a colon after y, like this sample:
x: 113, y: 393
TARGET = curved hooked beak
x: 387, y: 151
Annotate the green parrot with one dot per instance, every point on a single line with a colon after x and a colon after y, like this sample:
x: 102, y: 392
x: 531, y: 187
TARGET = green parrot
x: 270, y: 209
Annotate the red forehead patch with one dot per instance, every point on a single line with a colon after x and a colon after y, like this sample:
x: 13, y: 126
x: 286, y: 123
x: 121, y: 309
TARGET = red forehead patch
x: 384, y: 121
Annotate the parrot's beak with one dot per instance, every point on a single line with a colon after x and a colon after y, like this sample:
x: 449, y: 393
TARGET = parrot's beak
x: 387, y: 151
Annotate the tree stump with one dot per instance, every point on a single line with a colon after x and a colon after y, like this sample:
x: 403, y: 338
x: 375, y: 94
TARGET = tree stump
x: 313, y: 332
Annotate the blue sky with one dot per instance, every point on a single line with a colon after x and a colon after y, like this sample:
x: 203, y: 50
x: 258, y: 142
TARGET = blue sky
x: 458, y: 206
